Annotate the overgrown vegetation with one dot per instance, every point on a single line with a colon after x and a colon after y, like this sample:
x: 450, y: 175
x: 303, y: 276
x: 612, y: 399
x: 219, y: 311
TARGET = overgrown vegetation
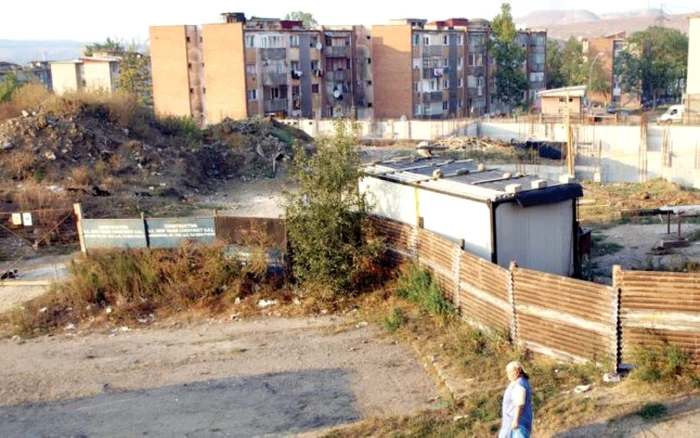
x: 417, y: 286
x: 666, y: 363
x: 600, y: 247
x: 128, y: 285
x: 332, y: 242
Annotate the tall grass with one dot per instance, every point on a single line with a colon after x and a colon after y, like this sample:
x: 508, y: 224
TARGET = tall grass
x: 417, y: 286
x: 133, y: 283
x: 666, y: 363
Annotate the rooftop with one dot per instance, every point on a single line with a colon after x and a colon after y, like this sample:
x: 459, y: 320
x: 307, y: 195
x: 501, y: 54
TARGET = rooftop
x: 576, y: 91
x: 468, y: 180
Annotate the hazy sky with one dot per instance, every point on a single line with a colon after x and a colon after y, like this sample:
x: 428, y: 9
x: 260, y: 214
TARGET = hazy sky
x: 91, y: 20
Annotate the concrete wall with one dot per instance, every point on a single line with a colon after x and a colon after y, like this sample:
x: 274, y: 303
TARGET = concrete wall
x: 392, y: 71
x: 224, y: 72
x: 538, y: 238
x: 98, y: 76
x: 391, y: 200
x: 171, y: 84
x: 553, y: 106
x: 390, y: 129
x: 65, y: 77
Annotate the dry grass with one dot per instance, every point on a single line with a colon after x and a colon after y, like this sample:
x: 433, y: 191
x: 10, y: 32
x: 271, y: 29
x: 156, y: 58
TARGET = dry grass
x: 133, y: 284
x: 21, y: 164
x: 81, y: 175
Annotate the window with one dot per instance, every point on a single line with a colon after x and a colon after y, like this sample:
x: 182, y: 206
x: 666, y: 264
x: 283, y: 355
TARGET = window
x: 294, y: 41
x: 275, y: 93
x: 460, y: 83
x: 369, y: 83
x: 445, y: 62
x: 471, y: 81
x: 315, y: 65
x: 445, y: 40
x: 460, y: 62
x: 445, y: 84
x: 416, y: 63
x: 314, y: 88
x: 294, y: 65
x: 416, y: 87
x: 432, y: 86
x: 426, y: 40
x: 252, y: 94
x: 313, y: 41
x: 459, y: 40
x: 416, y: 39
x: 191, y: 89
x: 445, y: 106
x: 251, y: 69
x: 295, y: 90
x: 417, y: 109
x: 460, y: 103
x: 479, y: 60
x: 187, y: 39
x: 369, y: 61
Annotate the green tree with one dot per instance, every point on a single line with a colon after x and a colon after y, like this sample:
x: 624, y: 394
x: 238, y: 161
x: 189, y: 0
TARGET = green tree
x: 599, y: 81
x: 510, y: 77
x: 135, y: 75
x: 326, y: 218
x: 109, y: 46
x: 555, y: 75
x: 9, y: 85
x: 655, y: 61
x: 574, y: 66
x: 305, y: 17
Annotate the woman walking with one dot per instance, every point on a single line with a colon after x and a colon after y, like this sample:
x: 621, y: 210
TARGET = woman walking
x: 517, y: 404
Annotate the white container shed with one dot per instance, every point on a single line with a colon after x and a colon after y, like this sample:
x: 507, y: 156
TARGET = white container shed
x: 495, y: 215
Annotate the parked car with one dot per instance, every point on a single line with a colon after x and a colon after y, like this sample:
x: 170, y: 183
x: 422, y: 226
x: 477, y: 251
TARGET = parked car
x: 612, y: 109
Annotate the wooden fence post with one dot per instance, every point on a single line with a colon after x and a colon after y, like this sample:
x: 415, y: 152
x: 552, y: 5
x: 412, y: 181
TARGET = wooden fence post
x: 78, y: 209
x: 616, y: 318
x: 511, y: 297
x: 456, y: 267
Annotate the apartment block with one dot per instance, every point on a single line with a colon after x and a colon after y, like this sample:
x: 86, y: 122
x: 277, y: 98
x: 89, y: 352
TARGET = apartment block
x: 604, y: 51
x: 88, y: 74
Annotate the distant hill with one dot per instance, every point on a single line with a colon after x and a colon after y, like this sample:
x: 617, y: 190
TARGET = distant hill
x: 629, y: 24
x: 23, y: 51
x: 651, y: 12
x: 549, y: 18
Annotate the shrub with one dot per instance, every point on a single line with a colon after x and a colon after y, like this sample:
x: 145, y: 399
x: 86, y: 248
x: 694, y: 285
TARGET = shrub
x: 657, y: 364
x: 331, y: 239
x: 80, y: 175
x: 21, y: 164
x: 416, y: 285
x: 186, y: 127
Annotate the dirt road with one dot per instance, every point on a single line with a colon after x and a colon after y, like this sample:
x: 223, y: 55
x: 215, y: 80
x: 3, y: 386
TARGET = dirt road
x: 235, y: 379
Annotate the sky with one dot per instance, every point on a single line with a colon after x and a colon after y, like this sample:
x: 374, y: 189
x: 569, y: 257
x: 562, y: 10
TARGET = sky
x: 84, y: 20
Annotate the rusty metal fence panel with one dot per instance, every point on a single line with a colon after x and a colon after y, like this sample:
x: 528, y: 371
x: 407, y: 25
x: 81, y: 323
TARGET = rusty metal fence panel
x: 438, y: 255
x: 563, y: 317
x: 484, y: 293
x: 399, y: 239
x: 657, y: 309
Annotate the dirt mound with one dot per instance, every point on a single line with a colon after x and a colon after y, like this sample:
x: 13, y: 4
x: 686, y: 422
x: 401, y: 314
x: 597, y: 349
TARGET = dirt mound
x: 99, y: 146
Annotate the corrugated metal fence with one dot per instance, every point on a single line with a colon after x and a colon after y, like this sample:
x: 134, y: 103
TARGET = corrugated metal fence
x: 553, y: 315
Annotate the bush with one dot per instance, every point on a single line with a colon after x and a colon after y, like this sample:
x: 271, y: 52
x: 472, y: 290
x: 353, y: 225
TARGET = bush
x: 416, y: 285
x: 331, y: 239
x: 81, y: 175
x: 186, y: 127
x: 660, y: 364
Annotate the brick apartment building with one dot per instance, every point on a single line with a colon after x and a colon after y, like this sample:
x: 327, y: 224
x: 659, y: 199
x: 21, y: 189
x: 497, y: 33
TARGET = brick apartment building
x: 604, y: 50
x: 242, y: 68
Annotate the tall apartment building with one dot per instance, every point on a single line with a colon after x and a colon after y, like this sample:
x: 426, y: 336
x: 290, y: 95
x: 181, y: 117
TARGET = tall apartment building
x: 88, y: 73
x: 409, y: 68
x: 605, y: 50
x: 243, y: 68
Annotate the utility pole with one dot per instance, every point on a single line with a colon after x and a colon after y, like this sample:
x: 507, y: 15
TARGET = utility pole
x: 569, y: 142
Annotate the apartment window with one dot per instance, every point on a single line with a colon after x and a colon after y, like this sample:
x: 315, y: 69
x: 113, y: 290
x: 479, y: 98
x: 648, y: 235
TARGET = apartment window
x: 369, y: 83
x: 294, y: 65
x: 191, y: 89
x: 445, y: 62
x: 187, y: 39
x: 480, y: 60
x: 432, y: 86
x: 252, y: 94
x: 445, y: 40
x: 294, y: 41
x: 460, y: 40
x: 416, y: 87
x: 426, y: 40
x: 416, y: 63
x: 460, y: 103
x: 313, y: 41
x: 417, y: 110
x: 315, y: 65
x: 416, y: 39
x: 460, y: 83
x: 460, y: 62
x: 314, y: 88
x: 445, y: 105
x: 445, y: 84
x: 275, y: 93
x: 470, y: 60
x: 251, y: 69
x: 369, y: 61
x: 471, y: 81
x: 295, y: 90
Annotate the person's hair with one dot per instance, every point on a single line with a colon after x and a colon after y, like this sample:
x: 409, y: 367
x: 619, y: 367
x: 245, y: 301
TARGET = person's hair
x: 517, y: 366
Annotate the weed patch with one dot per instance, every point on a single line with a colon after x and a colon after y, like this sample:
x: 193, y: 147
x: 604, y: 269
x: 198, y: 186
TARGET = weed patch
x: 395, y: 320
x: 417, y: 286
x: 667, y: 363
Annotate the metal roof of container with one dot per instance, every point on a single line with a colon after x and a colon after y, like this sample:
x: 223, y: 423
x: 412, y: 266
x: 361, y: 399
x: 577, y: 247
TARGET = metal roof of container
x: 467, y: 179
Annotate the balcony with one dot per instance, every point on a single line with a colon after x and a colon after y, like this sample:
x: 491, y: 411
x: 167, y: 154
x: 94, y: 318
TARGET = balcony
x: 277, y: 54
x: 275, y: 105
x: 432, y: 97
x: 337, y: 76
x: 274, y: 79
x: 338, y: 52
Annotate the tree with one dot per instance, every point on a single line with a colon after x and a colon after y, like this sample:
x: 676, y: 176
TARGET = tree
x: 308, y: 20
x: 655, y: 61
x: 135, y: 75
x: 109, y: 46
x: 574, y: 66
x: 9, y: 85
x: 599, y: 82
x: 555, y: 75
x: 510, y: 77
x: 326, y: 218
